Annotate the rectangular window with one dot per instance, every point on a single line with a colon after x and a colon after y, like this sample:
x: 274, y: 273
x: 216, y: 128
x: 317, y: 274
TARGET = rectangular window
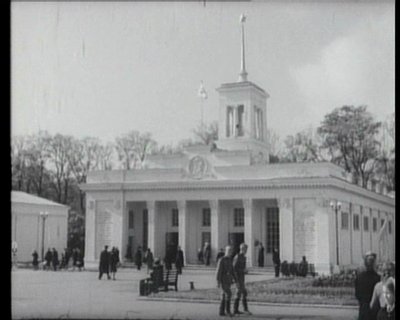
x: 175, y: 217
x: 272, y: 219
x: 345, y: 220
x: 390, y: 227
x: 206, y: 217
x: 374, y: 224
x: 130, y: 219
x: 356, y: 222
x: 238, y: 219
x: 366, y: 226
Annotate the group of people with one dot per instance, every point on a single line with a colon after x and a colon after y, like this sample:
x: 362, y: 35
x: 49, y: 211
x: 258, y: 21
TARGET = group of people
x: 295, y: 269
x: 52, y: 261
x: 375, y: 293
x: 204, y: 254
x: 109, y: 261
x: 232, y: 270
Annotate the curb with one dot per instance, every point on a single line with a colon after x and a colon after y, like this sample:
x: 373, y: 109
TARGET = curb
x: 254, y: 303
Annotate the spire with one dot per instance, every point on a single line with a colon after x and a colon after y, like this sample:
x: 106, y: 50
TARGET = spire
x: 243, y: 73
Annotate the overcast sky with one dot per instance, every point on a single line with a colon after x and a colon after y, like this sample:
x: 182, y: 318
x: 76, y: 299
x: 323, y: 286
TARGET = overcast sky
x: 104, y: 68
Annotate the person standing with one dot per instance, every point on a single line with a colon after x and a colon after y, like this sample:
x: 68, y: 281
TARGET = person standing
x: 114, y: 260
x: 239, y: 267
x: 48, y: 258
x: 364, y: 286
x: 179, y: 260
x: 168, y: 258
x: 276, y: 261
x: 149, y: 260
x: 261, y: 256
x: 378, y: 300
x: 55, y: 260
x: 104, y: 265
x: 388, y: 311
x: 67, y: 256
x: 220, y: 254
x: 225, y: 278
x: 207, y: 253
x: 303, y: 267
x: 35, y: 260
x: 138, y: 258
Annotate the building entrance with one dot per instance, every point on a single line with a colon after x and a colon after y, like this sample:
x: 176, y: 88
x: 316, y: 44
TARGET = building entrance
x: 234, y: 240
x: 171, y: 244
x: 272, y: 235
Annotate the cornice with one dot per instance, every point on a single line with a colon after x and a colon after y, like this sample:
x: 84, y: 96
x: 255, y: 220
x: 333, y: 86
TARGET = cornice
x: 196, y: 185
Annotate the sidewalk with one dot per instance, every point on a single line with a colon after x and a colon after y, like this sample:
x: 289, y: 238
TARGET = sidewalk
x: 48, y: 294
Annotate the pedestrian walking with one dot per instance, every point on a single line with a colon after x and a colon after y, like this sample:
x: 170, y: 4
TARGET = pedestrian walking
x: 364, y: 286
x: 149, y: 260
x: 48, y: 258
x: 276, y: 261
x: 378, y: 300
x: 207, y: 253
x: 114, y: 260
x: 261, y: 256
x: 388, y: 311
x: 35, y: 260
x: 225, y: 278
x: 239, y: 267
x: 179, y: 262
x: 138, y: 258
x: 104, y: 265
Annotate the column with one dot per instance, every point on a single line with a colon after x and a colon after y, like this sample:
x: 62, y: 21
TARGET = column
x: 152, y: 230
x: 90, y: 231
x: 119, y: 222
x: 325, y: 251
x: 183, y: 227
x: 216, y: 232
x: 249, y: 237
x: 286, y: 237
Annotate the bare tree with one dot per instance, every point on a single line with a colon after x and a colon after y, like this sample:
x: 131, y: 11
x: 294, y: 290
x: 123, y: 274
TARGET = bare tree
x: 206, y: 134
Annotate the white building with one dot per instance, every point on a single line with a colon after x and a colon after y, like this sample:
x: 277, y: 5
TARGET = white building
x: 230, y: 193
x: 37, y: 223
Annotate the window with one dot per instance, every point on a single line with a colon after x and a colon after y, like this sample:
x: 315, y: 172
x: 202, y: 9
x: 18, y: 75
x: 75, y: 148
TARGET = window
x: 206, y: 217
x: 272, y: 229
x: 175, y: 217
x: 382, y: 222
x: 130, y: 219
x: 345, y: 220
x: 366, y: 226
x: 390, y: 227
x: 238, y: 220
x: 356, y: 222
x: 229, y: 121
x: 374, y: 224
x: 239, y: 125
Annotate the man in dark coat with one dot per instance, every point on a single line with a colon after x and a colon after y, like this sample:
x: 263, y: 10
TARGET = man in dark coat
x: 364, y: 286
x: 179, y: 260
x: 277, y: 261
x: 149, y: 260
x: 220, y: 254
x: 48, y: 258
x: 104, y: 265
x: 239, y: 267
x: 207, y: 253
x: 225, y: 278
x: 114, y: 260
x: 138, y: 258
x: 35, y: 260
x: 55, y: 260
x: 261, y: 256
x: 303, y: 267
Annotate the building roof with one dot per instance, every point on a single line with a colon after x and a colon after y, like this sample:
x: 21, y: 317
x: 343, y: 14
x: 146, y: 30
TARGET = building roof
x: 23, y: 197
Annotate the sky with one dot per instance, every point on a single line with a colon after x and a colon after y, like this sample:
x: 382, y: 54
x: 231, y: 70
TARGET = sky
x: 102, y: 69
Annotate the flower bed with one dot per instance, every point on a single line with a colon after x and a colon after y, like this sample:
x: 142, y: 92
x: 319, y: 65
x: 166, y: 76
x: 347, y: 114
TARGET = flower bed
x: 282, y: 290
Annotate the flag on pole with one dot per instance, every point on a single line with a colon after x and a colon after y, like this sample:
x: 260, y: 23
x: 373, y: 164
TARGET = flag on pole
x: 202, y: 92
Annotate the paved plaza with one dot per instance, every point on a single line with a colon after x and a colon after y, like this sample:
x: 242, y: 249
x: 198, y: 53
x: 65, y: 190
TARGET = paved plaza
x: 65, y: 294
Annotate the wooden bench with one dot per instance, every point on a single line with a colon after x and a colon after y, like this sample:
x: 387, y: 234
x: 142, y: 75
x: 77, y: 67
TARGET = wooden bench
x: 170, y: 279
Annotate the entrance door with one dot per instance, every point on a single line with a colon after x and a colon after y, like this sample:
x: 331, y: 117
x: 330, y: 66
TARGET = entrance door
x: 171, y: 243
x: 272, y: 228
x: 234, y: 240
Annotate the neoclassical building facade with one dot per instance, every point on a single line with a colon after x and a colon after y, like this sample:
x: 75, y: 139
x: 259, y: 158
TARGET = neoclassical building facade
x: 230, y: 193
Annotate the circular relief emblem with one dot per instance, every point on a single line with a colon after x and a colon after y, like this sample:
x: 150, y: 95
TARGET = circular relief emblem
x: 197, y: 167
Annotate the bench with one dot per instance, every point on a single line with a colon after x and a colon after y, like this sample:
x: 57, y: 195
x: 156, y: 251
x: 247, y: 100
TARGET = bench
x: 170, y: 278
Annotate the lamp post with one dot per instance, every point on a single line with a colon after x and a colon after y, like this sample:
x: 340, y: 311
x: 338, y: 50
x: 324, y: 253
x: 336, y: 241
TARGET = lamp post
x: 43, y: 215
x: 336, y: 205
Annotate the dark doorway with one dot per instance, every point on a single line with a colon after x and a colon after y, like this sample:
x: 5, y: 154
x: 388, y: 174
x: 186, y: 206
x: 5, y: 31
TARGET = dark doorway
x: 171, y: 243
x: 235, y: 239
x: 272, y: 234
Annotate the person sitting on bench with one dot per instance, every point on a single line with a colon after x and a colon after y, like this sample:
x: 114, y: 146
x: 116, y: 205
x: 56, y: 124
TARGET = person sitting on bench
x: 156, y: 276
